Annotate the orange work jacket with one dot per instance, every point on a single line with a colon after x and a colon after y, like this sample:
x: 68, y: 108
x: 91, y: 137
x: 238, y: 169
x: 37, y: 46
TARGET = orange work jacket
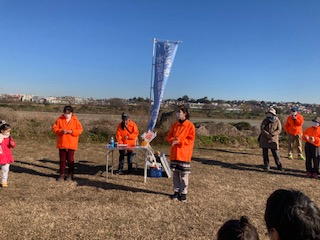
x: 128, y: 135
x: 294, y: 126
x: 185, y: 133
x: 312, y: 132
x: 67, y: 141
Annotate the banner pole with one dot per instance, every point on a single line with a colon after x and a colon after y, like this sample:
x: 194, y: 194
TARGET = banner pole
x: 152, y: 73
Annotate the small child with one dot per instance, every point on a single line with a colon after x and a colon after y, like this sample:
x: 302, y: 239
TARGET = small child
x: 6, y: 143
x: 240, y: 229
x: 312, y: 148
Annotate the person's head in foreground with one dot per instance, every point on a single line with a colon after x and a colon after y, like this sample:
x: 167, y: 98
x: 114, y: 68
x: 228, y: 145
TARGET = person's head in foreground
x: 291, y: 215
x: 240, y: 229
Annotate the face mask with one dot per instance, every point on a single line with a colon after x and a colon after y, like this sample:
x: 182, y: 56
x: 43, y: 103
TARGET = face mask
x: 67, y: 115
x: 6, y: 134
x: 272, y: 118
x: 315, y: 124
x: 178, y: 115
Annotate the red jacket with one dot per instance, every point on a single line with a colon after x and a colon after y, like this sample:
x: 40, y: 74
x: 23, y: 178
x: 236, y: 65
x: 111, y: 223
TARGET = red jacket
x: 67, y: 141
x: 186, y: 133
x: 6, y: 155
x: 128, y: 135
x: 294, y: 126
x: 312, y: 132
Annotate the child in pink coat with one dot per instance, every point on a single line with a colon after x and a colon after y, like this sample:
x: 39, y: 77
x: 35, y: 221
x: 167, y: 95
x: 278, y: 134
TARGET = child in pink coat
x: 6, y: 143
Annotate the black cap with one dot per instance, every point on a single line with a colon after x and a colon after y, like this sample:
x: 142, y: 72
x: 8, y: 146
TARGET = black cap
x: 124, y: 116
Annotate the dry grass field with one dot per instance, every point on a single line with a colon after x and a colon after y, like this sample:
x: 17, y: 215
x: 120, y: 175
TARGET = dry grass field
x: 225, y: 183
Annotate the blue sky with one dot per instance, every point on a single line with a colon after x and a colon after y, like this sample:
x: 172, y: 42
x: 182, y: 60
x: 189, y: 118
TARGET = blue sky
x: 232, y: 49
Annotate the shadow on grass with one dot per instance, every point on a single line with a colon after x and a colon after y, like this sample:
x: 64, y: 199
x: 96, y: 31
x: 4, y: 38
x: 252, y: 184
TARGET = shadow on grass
x: 229, y: 151
x: 251, y: 167
x: 81, y: 168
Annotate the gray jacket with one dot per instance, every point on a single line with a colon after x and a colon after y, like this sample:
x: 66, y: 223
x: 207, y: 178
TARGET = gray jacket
x: 269, y: 136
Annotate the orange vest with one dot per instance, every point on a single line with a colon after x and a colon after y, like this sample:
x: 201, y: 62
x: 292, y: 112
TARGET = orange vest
x: 186, y: 133
x: 67, y: 141
x: 312, y: 132
x: 131, y: 132
x: 294, y: 126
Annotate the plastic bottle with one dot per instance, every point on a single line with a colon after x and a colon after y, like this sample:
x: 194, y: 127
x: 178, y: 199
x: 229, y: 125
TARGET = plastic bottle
x: 112, y: 142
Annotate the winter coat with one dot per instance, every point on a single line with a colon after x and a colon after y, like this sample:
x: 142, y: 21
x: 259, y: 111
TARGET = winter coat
x: 312, y: 132
x: 67, y: 141
x: 294, y: 126
x: 269, y: 136
x: 6, y: 155
x: 185, y: 132
x: 127, y: 135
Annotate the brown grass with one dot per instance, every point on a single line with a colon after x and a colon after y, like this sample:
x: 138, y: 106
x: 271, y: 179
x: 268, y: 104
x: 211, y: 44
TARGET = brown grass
x: 225, y: 183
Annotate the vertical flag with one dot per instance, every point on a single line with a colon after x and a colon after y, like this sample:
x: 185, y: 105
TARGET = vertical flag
x: 165, y: 52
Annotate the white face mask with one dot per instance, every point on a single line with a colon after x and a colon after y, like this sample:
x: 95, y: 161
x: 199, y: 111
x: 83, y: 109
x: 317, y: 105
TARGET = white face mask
x: 178, y: 115
x: 68, y: 115
x: 315, y: 124
x: 6, y: 134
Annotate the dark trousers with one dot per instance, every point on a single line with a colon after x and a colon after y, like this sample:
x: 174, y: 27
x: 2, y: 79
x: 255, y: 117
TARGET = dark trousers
x: 275, y: 154
x: 312, y: 157
x: 66, y: 155
x: 122, y: 154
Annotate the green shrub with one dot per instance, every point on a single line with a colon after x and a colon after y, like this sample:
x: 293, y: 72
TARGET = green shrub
x: 242, y: 126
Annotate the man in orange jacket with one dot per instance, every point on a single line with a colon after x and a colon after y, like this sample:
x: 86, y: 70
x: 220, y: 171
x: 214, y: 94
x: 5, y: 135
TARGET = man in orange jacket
x: 293, y: 128
x: 67, y: 128
x: 127, y: 133
x: 312, y: 148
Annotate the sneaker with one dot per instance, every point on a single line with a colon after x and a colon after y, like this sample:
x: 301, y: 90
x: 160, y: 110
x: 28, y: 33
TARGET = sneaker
x: 266, y: 168
x: 183, y: 197
x: 309, y: 174
x: 290, y: 157
x: 315, y: 175
x: 280, y: 168
x: 118, y: 172
x: 4, y: 184
x: 301, y: 157
x: 175, y: 196
x: 69, y: 178
x: 60, y: 178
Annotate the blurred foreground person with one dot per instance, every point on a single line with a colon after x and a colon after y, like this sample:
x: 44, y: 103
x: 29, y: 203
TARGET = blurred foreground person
x: 269, y: 138
x: 293, y: 128
x: 236, y: 229
x: 67, y: 128
x: 181, y: 137
x: 312, y: 148
x: 127, y: 133
x: 6, y: 143
x: 291, y: 215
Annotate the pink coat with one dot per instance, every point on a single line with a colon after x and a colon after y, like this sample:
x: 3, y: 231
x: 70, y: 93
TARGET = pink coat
x: 6, y: 155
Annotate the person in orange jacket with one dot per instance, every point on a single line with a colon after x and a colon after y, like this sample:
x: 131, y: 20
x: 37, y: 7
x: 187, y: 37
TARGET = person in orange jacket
x: 67, y: 128
x: 312, y: 148
x: 127, y: 133
x: 293, y: 128
x: 181, y: 137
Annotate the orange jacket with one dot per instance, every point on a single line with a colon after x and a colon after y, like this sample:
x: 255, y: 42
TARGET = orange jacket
x: 294, y: 126
x: 185, y: 133
x: 312, y: 132
x: 128, y: 135
x: 67, y: 141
